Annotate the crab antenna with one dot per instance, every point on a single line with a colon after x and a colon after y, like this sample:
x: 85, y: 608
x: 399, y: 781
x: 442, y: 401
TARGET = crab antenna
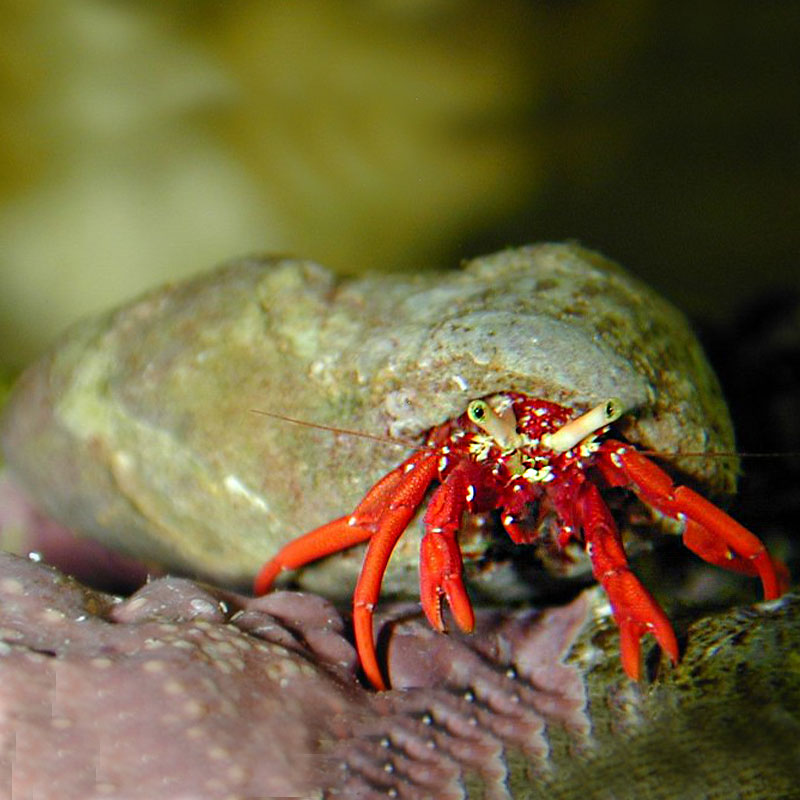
x: 576, y: 430
x: 503, y: 429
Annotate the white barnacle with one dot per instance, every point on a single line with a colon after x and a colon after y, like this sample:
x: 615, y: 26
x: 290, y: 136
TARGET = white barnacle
x: 442, y: 463
x: 470, y: 493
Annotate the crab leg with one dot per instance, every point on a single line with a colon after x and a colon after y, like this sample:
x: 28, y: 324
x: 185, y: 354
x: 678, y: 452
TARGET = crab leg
x: 340, y: 534
x: 440, y: 565
x: 635, y: 610
x: 323, y: 541
x: 709, y: 531
x: 416, y: 476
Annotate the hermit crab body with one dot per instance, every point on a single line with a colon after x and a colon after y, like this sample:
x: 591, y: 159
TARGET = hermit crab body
x: 541, y: 469
x: 137, y: 428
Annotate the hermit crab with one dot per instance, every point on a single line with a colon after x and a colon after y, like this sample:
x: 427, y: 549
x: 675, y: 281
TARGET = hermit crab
x: 534, y: 462
x: 137, y: 429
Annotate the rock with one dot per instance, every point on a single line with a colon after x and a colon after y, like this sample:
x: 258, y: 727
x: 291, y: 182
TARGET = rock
x: 183, y: 691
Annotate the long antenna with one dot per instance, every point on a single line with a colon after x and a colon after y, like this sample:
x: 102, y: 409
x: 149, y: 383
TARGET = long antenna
x: 345, y: 431
x: 407, y: 443
x: 720, y: 454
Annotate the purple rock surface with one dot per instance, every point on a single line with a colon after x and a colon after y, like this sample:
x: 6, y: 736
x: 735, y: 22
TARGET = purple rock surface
x: 185, y: 691
x: 181, y: 691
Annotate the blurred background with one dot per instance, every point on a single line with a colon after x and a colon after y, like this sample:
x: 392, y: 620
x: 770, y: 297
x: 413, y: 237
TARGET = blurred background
x: 141, y: 141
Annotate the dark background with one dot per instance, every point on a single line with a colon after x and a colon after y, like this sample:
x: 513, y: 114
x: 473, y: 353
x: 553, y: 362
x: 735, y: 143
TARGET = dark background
x: 141, y: 141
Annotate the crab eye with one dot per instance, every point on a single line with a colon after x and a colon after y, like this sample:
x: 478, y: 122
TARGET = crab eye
x: 503, y: 429
x: 613, y: 410
x: 476, y: 411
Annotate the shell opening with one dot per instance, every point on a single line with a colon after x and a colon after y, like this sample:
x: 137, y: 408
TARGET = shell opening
x: 576, y: 430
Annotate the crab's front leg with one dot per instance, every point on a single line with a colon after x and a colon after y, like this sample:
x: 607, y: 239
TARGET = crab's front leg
x: 440, y: 564
x: 708, y: 530
x: 417, y: 475
x: 635, y: 610
x: 344, y: 532
x: 381, y: 517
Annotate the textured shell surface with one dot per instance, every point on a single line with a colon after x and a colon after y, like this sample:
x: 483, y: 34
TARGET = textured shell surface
x: 137, y: 429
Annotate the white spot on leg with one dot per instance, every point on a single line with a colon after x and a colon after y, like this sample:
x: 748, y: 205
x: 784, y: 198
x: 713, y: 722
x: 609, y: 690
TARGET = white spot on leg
x: 470, y: 493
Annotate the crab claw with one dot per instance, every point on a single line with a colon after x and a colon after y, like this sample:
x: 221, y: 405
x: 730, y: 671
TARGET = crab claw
x: 637, y: 613
x: 440, y: 566
x: 439, y: 577
x: 708, y: 531
x: 635, y: 610
x: 720, y: 540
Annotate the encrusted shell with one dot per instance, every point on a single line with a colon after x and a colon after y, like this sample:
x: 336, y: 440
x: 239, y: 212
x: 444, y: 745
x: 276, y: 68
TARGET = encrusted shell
x: 137, y: 429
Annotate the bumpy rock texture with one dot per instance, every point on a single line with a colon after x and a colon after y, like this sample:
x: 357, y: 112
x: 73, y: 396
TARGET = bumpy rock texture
x: 185, y: 692
x: 137, y: 429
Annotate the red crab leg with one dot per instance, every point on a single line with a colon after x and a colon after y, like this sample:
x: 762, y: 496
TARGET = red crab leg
x: 323, y: 541
x: 709, y: 531
x: 417, y: 474
x: 339, y: 534
x: 440, y: 564
x: 635, y: 610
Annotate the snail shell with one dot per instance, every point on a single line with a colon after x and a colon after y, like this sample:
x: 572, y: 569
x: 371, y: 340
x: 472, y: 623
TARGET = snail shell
x: 137, y: 428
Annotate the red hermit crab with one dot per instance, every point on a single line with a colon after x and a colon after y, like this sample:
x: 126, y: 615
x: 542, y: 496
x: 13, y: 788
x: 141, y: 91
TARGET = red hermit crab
x: 136, y: 429
x: 534, y: 461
